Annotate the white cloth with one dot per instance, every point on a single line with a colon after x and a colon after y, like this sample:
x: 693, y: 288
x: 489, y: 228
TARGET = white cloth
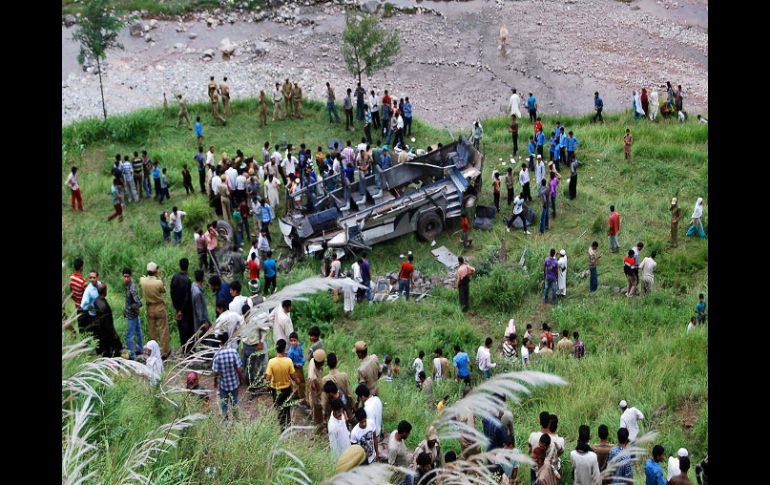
x: 277, y: 157
x: 210, y: 158
x: 230, y: 322
x: 272, y: 191
x: 653, y: 104
x: 154, y: 361
x: 647, y: 266
x: 373, y: 104
x: 515, y: 101
x: 357, y: 272
x: 673, y: 467
x: 562, y: 276
x: 638, y: 103
x: 484, y: 359
x: 215, y: 183
x: 400, y: 122
x: 176, y: 220
x: 524, y: 355
x: 585, y: 467
x: 236, y: 306
x: 289, y: 165
x: 349, y: 294
x: 373, y: 408
x: 231, y: 175
x: 629, y: 420
x: 539, y: 172
x: 437, y: 369
x: 518, y: 202
x: 418, y: 367
x: 511, y: 328
x: 282, y: 324
x: 697, y: 213
x: 365, y: 438
x: 339, y: 439
x: 523, y: 177
x: 240, y: 182
x: 72, y: 181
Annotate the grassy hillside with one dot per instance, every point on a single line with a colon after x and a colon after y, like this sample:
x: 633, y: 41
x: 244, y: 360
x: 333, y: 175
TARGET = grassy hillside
x: 636, y: 348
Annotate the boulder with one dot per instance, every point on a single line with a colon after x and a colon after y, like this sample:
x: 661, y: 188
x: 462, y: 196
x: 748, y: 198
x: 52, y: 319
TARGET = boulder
x: 208, y: 53
x: 192, y: 35
x: 149, y: 38
x: 70, y: 20
x: 146, y: 27
x: 179, y: 46
x: 370, y: 6
x: 154, y: 24
x: 227, y: 47
x: 261, y: 48
x: 211, y: 22
x: 135, y: 29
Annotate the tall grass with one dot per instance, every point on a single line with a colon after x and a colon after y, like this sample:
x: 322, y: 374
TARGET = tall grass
x: 637, y: 348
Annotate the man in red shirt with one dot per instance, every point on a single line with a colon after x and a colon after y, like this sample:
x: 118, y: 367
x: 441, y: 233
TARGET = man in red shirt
x: 465, y: 228
x: 78, y: 283
x: 614, y: 229
x: 386, y: 99
x: 254, y: 266
x: 405, y: 276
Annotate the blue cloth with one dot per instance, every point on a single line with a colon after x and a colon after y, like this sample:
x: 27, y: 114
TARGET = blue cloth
x: 563, y: 141
x: 540, y: 138
x: 531, y: 103
x: 156, y: 173
x: 269, y: 267
x: 349, y: 172
x: 495, y: 433
x: 226, y: 361
x: 385, y: 161
x: 408, y: 110
x: 201, y: 162
x: 461, y: 362
x: 89, y: 297
x: 163, y: 182
x: 551, y: 143
x: 653, y: 473
x: 532, y: 147
x: 598, y: 103
x: 572, y: 143
x: 224, y: 293
x: 624, y: 469
x: 296, y: 354
x: 198, y: 129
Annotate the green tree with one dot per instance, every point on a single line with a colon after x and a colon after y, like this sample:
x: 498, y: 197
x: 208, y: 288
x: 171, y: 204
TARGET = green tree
x: 99, y: 28
x: 366, y: 47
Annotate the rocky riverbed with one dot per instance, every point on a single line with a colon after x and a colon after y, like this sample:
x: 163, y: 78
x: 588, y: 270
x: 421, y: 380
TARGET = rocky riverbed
x: 450, y: 65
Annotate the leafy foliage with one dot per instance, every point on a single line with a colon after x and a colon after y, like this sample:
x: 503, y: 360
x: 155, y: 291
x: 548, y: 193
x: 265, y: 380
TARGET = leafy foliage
x: 367, y: 48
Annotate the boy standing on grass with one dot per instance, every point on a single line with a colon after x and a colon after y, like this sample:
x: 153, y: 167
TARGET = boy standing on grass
x: 614, y: 230
x: 131, y: 312
x: 509, y: 185
x: 462, y: 363
x: 418, y: 367
x: 164, y: 186
x: 156, y: 180
x: 296, y: 354
x: 198, y: 130
x: 593, y: 259
x: 628, y: 141
x: 187, y: 180
x: 700, y: 309
x: 74, y: 186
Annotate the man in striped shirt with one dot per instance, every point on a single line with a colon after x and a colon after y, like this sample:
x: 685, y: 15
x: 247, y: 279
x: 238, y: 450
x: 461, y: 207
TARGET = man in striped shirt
x: 78, y: 283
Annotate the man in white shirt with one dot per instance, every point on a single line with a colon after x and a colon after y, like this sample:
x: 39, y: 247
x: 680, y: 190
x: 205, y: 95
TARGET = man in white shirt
x: 372, y: 406
x: 673, y: 463
x: 175, y: 219
x: 525, y: 353
x: 518, y: 212
x: 230, y: 322
x: 629, y: 420
x: 484, y: 359
x: 361, y: 147
x: 289, y: 164
x: 418, y: 367
x: 335, y: 267
x: 524, y: 181
x: 210, y: 156
x: 437, y: 370
x: 647, y: 267
x: 231, y: 174
x: 585, y: 464
x: 515, y: 100
x: 239, y: 300
x: 363, y: 434
x: 281, y: 321
x: 339, y: 438
x: 539, y: 171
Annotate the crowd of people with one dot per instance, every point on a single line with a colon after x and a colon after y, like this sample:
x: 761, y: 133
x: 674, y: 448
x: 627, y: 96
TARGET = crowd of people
x: 243, y: 189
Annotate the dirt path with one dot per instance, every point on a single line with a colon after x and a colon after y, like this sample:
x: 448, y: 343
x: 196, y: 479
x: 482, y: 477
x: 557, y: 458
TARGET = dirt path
x: 449, y: 64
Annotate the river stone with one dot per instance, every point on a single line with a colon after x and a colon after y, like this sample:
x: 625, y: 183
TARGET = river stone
x: 135, y: 29
x: 370, y: 6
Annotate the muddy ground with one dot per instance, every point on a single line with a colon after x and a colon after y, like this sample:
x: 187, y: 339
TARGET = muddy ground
x: 450, y: 64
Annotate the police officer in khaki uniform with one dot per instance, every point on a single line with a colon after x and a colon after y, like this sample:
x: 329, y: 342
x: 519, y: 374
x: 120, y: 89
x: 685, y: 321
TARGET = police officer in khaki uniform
x: 287, y: 96
x: 224, y: 91
x: 214, y: 100
x: 157, y: 315
x: 182, y: 112
x: 277, y: 98
x: 296, y: 98
x: 262, y: 110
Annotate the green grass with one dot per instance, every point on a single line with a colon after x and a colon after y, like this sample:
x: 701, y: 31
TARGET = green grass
x: 636, y: 349
x: 155, y: 7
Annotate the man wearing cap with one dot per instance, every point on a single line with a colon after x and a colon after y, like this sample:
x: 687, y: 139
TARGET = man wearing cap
x: 684, y: 467
x: 629, y: 420
x: 157, y: 317
x: 369, y: 368
x: 314, y: 385
x: 432, y: 447
x: 288, y: 93
x: 281, y: 321
x: 340, y: 379
x: 673, y: 463
x: 676, y: 215
x: 562, y: 275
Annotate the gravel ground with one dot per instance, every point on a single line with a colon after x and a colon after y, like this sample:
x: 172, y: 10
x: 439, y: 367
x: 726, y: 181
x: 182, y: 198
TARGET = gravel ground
x: 450, y: 64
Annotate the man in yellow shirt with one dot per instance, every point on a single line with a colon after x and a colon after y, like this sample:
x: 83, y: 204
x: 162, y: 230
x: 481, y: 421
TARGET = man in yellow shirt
x: 565, y: 344
x: 157, y: 315
x: 280, y: 371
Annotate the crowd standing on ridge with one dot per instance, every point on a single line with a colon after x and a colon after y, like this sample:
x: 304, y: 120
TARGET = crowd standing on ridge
x: 243, y: 189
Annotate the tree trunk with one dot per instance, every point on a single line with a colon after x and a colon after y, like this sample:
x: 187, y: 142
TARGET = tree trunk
x: 101, y: 87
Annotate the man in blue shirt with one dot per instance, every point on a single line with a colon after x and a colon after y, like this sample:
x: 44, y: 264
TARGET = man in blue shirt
x: 562, y: 144
x: 653, y: 473
x: 90, y: 294
x: 532, y: 146
x: 463, y: 364
x: 532, y: 108
x: 540, y: 142
x: 221, y: 289
x: 266, y: 216
x: 270, y: 269
x: 624, y: 469
x: 556, y: 152
x: 572, y: 143
x: 156, y: 180
x: 598, y: 106
x: 385, y: 163
x: 408, y: 117
x: 550, y: 266
x: 198, y: 130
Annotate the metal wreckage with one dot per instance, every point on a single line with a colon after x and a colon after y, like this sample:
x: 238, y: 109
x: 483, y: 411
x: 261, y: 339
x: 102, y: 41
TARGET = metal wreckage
x: 419, y: 195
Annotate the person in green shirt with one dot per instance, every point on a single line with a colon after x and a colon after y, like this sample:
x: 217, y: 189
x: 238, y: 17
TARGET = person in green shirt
x: 237, y: 222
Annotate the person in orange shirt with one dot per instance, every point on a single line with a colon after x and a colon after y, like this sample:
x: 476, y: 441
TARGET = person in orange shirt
x: 465, y: 228
x: 405, y: 276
